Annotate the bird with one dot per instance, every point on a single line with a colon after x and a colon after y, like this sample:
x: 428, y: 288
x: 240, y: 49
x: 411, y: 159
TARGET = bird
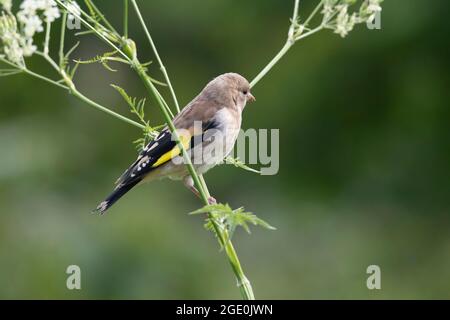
x: 207, y: 127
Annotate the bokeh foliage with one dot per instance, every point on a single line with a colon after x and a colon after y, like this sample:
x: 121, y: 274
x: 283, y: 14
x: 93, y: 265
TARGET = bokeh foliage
x: 364, y: 165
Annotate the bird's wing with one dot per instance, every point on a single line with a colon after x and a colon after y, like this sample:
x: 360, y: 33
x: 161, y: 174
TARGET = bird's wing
x: 164, y: 148
x: 156, y: 153
x: 161, y: 150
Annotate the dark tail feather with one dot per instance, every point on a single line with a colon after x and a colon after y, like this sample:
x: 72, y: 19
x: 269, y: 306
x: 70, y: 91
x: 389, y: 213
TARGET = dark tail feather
x: 116, y: 195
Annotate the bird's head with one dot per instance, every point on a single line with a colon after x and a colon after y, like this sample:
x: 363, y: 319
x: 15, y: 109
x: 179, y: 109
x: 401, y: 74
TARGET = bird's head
x: 230, y: 89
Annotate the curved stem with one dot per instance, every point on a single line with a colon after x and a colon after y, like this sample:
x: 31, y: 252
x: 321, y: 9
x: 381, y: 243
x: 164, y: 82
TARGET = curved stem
x: 152, y: 44
x: 72, y: 89
x: 34, y: 74
x: 272, y: 63
x: 293, y: 37
x: 94, y: 104
x: 38, y: 76
x: 289, y: 43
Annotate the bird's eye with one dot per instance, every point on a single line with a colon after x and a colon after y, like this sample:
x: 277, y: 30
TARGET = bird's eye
x: 245, y: 92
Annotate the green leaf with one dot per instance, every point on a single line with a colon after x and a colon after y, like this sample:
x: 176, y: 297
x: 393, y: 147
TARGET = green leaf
x: 138, y: 108
x: 230, y: 219
x: 104, y: 59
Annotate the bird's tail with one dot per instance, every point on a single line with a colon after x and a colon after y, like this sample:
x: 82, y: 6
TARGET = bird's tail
x: 120, y: 190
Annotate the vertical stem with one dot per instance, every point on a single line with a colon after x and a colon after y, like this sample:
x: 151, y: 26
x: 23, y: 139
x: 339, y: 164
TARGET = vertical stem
x: 62, y: 39
x: 125, y: 19
x: 243, y: 282
x: 47, y: 37
x: 165, y: 104
x: 161, y: 65
x: 151, y: 88
x: 294, y: 20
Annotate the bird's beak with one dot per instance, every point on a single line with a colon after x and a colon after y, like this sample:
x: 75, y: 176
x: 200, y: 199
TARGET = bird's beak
x: 250, y: 97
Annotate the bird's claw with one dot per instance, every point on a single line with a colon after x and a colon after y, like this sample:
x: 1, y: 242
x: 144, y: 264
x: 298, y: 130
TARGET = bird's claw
x: 212, y: 200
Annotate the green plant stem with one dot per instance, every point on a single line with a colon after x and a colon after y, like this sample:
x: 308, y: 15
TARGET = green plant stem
x: 125, y: 18
x: 70, y: 87
x: 272, y: 63
x: 94, y: 104
x: 41, y: 77
x: 91, y: 5
x: 47, y: 37
x: 161, y: 65
x: 35, y: 75
x: 95, y: 31
x: 152, y: 89
x: 222, y: 234
x: 293, y: 37
x: 62, y: 39
x: 289, y: 43
x: 313, y: 13
x: 74, y: 91
x: 243, y: 283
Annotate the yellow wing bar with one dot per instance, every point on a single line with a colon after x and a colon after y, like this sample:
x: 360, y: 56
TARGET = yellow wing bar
x: 184, y: 139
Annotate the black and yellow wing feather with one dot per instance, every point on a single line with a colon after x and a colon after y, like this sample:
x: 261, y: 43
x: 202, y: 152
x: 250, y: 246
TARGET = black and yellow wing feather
x: 155, y: 154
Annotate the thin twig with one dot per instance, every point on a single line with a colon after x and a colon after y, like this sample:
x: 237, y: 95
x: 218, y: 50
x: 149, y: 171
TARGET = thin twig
x: 293, y: 37
x: 161, y: 65
x: 62, y: 39
x: 92, y: 6
x: 125, y: 19
x: 94, y: 104
x: 314, y: 12
x: 47, y: 37
x: 222, y: 234
x: 90, y: 27
x: 35, y: 75
x: 73, y: 90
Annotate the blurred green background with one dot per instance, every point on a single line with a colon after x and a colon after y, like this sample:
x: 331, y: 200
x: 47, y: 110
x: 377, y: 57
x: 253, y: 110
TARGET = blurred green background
x: 364, y: 163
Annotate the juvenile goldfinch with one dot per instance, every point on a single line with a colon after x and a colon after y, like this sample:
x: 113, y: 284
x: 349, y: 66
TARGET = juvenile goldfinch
x: 207, y: 127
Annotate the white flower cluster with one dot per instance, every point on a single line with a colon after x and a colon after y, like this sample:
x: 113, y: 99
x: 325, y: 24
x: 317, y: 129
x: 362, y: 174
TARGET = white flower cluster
x: 6, y: 5
x: 344, y: 22
x: 31, y: 12
x: 17, y: 35
x: 10, y: 39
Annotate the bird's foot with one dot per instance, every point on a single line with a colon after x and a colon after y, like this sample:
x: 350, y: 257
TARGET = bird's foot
x: 212, y: 200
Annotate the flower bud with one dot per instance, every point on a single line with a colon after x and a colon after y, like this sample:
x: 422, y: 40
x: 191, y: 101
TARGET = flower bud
x: 129, y: 48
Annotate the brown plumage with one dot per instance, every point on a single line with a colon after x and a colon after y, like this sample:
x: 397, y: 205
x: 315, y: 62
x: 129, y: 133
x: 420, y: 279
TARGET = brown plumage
x: 208, y: 127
